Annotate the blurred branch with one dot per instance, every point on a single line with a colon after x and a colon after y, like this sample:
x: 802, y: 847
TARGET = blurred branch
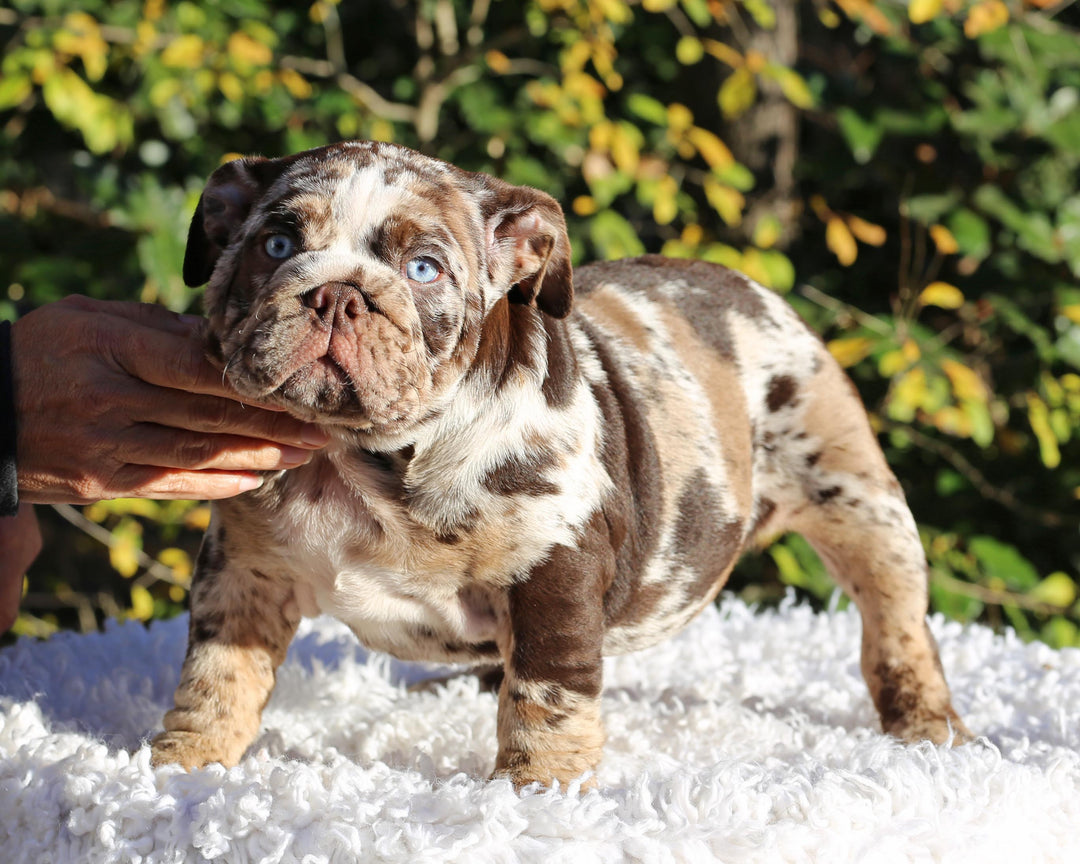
x: 153, y: 568
x: 833, y: 305
x: 27, y: 202
x: 995, y: 596
x: 977, y: 479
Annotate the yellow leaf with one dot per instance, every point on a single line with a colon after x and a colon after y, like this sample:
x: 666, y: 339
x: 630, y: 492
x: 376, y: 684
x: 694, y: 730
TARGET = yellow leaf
x: 712, y: 149
x: 909, y: 394
x: 693, y: 234
x: 793, y: 86
x: 1057, y: 589
x: 184, y: 52
x: 584, y: 205
x: 297, y: 85
x: 657, y: 5
x: 665, y: 207
x: 725, y: 200
x: 689, y: 50
x: 124, y: 552
x: 1039, y: 417
x: 755, y: 61
x: 942, y: 295
x: 1072, y: 312
x: 753, y: 265
x: 867, y: 232
x: 737, y: 93
x: 231, y: 87
x: 966, y: 383
x: 723, y: 53
x: 921, y: 11
x: 198, y: 519
x: 264, y: 80
x: 910, y: 350
x: 840, y: 241
x: 944, y: 240
x: 245, y: 52
x: 142, y: 603
x: 985, y: 17
x: 952, y: 421
x: 679, y: 118
x: 624, y: 150
x: 767, y: 231
x: 498, y: 62
x: 851, y: 350
x: 178, y: 561
x: 904, y: 357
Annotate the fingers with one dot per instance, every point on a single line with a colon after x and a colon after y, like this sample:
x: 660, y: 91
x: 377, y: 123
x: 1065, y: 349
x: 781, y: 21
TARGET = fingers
x: 164, y: 349
x: 214, y: 415
x: 147, y: 314
x: 147, y: 444
x: 150, y: 482
x: 20, y: 542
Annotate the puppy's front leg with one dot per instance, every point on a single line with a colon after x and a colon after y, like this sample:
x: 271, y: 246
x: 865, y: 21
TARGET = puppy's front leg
x: 549, y: 702
x: 242, y: 622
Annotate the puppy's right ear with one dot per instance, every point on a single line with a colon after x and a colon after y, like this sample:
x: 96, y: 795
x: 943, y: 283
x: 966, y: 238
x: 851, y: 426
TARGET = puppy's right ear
x: 222, y: 209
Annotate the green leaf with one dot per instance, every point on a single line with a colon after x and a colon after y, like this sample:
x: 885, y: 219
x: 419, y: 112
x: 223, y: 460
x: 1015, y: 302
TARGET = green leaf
x: 1059, y: 632
x: 1002, y: 561
x: 971, y: 231
x: 932, y: 208
x: 614, y: 236
x: 1057, y: 589
x: 735, y: 175
x: 761, y: 12
x: 862, y: 135
x: 1034, y: 231
x: 780, y: 270
x: 13, y: 90
x: 648, y: 108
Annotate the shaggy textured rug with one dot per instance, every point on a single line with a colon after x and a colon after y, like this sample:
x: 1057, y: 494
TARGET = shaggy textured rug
x: 750, y: 737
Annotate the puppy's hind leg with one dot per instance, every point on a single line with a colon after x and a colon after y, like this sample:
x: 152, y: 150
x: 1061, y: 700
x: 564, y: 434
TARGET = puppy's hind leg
x: 853, y: 512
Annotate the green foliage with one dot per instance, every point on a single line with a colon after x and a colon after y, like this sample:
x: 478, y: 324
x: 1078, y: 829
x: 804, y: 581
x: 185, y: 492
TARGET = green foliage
x: 930, y: 213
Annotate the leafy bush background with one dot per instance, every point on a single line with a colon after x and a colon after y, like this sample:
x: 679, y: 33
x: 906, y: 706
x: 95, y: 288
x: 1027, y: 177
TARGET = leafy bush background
x: 906, y: 173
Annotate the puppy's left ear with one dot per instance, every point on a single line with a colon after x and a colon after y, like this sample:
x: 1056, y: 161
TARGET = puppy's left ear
x: 528, y: 248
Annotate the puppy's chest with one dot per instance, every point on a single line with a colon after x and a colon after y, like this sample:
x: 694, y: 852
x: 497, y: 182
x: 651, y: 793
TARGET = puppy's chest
x: 344, y: 533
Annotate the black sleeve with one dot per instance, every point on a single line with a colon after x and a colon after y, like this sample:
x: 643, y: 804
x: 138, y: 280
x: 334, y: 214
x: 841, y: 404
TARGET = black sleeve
x: 9, y: 484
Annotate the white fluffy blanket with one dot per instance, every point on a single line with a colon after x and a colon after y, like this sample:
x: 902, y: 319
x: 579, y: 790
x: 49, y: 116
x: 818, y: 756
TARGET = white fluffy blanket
x: 750, y: 737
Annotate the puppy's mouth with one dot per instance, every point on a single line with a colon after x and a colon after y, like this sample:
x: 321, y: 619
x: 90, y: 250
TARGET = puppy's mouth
x: 333, y: 357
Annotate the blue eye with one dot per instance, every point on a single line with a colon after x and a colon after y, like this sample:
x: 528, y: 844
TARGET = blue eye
x: 422, y: 270
x: 279, y: 246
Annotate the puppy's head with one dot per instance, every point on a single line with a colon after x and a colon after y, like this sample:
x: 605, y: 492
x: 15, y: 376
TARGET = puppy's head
x: 349, y: 284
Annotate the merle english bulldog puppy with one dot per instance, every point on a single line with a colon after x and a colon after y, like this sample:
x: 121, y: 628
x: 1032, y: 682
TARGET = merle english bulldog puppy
x: 530, y: 467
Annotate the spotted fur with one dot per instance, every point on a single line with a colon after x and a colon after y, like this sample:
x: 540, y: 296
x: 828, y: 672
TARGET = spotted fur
x: 512, y: 481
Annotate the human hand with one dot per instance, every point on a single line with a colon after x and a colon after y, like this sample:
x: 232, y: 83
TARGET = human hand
x: 116, y: 400
x: 20, y: 542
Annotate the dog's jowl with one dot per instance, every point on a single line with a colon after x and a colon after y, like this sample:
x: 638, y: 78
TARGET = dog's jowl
x: 530, y: 468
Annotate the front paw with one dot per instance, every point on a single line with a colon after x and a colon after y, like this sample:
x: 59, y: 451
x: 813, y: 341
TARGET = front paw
x: 523, y: 770
x: 939, y: 727
x: 190, y: 750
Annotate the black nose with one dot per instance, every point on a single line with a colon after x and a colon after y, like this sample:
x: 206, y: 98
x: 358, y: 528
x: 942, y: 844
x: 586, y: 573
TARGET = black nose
x: 335, y: 300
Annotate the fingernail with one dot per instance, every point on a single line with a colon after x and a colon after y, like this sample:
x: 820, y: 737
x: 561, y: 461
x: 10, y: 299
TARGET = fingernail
x: 313, y: 435
x: 250, y: 481
x: 293, y: 456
